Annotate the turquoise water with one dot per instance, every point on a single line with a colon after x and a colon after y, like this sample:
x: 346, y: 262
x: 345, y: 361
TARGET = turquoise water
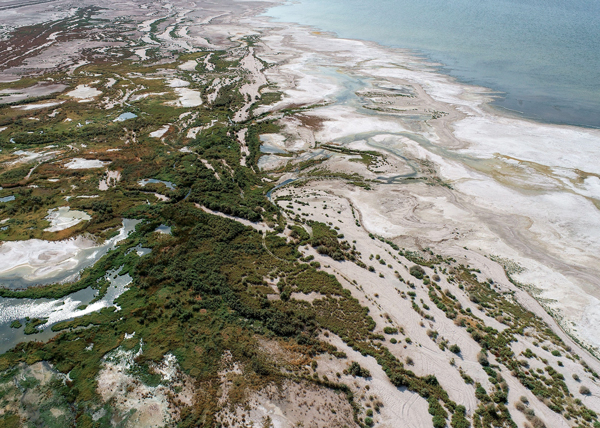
x: 543, y: 56
x: 125, y: 116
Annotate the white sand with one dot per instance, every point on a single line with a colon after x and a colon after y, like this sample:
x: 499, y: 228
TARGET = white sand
x: 255, y: 80
x: 39, y: 260
x: 84, y: 93
x: 551, y: 145
x: 188, y: 65
x: 258, y: 225
x: 137, y: 97
x: 26, y: 156
x: 178, y: 83
x: 79, y: 163
x: 526, y: 199
x: 212, y: 168
x: 274, y: 142
x: 271, y: 162
x: 38, y: 106
x: 63, y: 218
x: 187, y: 98
x: 160, y: 132
x: 110, y: 179
x: 36, y: 259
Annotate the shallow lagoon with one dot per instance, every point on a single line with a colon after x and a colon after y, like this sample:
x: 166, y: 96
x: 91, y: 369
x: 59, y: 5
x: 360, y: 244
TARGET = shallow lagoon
x: 145, y: 181
x: 125, y: 116
x: 67, y: 308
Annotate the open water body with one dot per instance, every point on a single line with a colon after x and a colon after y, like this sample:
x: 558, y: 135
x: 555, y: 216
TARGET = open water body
x: 542, y: 56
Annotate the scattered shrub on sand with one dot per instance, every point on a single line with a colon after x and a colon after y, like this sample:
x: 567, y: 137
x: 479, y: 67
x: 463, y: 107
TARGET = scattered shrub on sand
x: 417, y: 271
x: 482, y: 358
x: 356, y: 370
x: 454, y: 348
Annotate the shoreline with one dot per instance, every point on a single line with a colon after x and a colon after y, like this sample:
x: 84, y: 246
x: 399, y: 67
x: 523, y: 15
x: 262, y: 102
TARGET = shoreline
x: 479, y: 105
x: 549, y: 101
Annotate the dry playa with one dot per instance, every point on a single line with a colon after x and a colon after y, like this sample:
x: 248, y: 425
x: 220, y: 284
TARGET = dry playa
x: 187, y: 98
x: 79, y: 163
x: 63, y: 218
x: 160, y: 132
x: 36, y: 260
x: 84, y: 93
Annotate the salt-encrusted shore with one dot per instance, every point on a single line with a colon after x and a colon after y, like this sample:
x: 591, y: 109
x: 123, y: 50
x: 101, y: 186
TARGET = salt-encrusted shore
x: 521, y: 191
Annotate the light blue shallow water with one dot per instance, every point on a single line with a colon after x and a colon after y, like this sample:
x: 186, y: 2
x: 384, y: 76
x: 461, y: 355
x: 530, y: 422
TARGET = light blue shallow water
x: 543, y: 55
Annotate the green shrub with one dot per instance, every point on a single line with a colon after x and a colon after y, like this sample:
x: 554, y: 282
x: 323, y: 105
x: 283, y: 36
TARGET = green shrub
x: 417, y: 271
x: 482, y: 359
x: 356, y: 370
x: 459, y: 419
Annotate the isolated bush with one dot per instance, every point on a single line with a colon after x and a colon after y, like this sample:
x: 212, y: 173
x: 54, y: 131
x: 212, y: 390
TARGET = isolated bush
x: 356, y: 370
x: 417, y: 271
x: 454, y: 348
x: 483, y: 360
x: 584, y: 390
x: 537, y: 422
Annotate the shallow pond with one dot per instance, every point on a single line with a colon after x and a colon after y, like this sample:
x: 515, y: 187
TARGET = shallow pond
x: 163, y: 229
x: 54, y: 310
x: 145, y: 181
x: 125, y: 116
